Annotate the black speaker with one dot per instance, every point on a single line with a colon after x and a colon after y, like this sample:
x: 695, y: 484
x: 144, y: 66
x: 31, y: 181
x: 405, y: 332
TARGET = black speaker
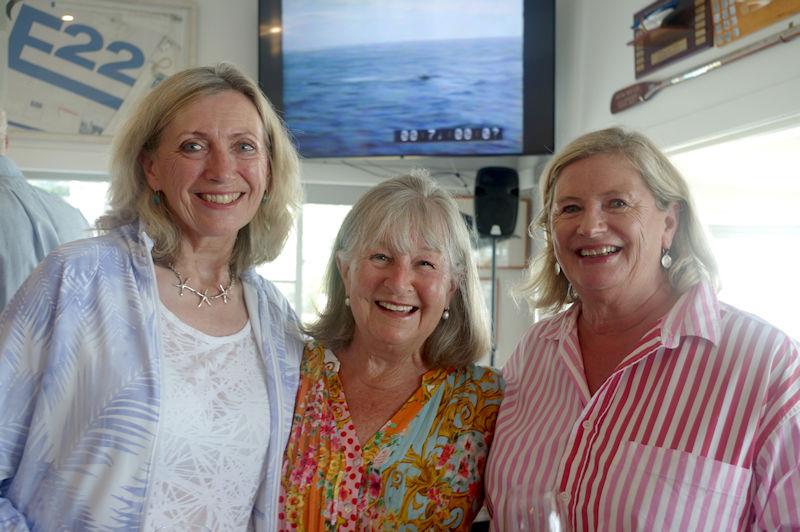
x: 496, y: 200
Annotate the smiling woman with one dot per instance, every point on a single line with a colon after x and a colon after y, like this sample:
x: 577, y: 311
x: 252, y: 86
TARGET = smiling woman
x: 393, y: 420
x: 397, y: 297
x: 648, y: 390
x: 176, y: 363
x: 212, y: 166
x: 608, y: 231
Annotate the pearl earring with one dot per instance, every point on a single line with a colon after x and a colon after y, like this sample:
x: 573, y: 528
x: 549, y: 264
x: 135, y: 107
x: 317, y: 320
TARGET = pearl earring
x: 666, y: 260
x: 446, y: 314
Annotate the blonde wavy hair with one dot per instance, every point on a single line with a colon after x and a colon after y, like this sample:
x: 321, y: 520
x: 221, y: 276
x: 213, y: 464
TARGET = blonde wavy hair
x: 131, y: 198
x: 692, y: 259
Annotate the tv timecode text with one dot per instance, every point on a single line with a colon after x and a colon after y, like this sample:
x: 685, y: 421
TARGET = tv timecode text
x: 448, y: 134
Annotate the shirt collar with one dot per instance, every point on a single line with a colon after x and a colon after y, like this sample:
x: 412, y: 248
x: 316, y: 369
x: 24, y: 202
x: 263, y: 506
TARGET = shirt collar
x: 696, y: 313
x: 561, y: 325
x: 431, y: 379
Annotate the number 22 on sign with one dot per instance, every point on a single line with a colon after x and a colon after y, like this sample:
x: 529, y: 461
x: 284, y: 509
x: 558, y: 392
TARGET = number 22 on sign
x: 128, y: 57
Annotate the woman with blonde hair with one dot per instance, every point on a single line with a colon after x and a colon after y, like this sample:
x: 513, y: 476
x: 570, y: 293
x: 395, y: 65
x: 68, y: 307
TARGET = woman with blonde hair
x: 645, y: 403
x: 148, y: 375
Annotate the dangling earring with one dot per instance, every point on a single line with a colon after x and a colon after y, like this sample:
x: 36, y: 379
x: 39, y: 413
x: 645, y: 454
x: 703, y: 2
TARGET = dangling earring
x: 347, y: 301
x: 572, y: 293
x: 156, y: 198
x: 446, y: 314
x: 265, y: 198
x: 666, y: 259
x: 557, y: 269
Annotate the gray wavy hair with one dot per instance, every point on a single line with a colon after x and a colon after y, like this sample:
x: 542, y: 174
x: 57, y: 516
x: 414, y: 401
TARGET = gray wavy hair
x: 393, y: 213
x: 131, y: 198
x: 693, y: 260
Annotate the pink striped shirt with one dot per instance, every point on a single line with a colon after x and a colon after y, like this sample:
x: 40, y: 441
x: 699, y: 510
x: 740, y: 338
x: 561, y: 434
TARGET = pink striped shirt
x: 697, y: 429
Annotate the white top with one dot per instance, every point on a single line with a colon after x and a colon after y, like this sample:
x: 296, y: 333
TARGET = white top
x: 213, y: 432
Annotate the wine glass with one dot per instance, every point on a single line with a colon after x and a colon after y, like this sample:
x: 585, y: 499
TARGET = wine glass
x: 541, y: 512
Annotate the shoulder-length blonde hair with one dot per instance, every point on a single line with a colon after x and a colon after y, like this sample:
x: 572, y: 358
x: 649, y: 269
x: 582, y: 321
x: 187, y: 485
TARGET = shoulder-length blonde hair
x: 692, y: 259
x: 395, y: 213
x: 131, y: 198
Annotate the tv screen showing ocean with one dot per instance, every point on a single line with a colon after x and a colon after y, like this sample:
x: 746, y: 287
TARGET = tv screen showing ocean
x: 443, y: 97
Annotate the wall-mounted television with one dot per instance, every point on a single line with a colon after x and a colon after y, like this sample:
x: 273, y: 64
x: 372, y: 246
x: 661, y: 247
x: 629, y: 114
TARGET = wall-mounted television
x: 412, y: 77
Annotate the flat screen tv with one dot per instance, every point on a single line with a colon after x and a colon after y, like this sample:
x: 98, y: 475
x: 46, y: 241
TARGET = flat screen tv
x: 411, y: 77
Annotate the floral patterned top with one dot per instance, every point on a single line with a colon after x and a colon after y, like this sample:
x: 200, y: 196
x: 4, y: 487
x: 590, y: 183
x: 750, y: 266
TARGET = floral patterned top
x: 422, y: 470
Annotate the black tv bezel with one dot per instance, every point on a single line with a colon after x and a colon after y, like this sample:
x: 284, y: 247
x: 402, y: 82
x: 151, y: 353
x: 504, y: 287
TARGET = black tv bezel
x: 538, y: 75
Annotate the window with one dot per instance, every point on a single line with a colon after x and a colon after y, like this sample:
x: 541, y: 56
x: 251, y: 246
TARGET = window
x: 747, y: 193
x: 300, y: 269
x: 87, y: 196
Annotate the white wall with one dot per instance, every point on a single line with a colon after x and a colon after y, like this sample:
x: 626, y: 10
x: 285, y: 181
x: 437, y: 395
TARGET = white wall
x: 593, y: 61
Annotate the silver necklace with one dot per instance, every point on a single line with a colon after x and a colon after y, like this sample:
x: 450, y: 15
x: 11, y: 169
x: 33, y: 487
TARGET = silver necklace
x: 183, y: 284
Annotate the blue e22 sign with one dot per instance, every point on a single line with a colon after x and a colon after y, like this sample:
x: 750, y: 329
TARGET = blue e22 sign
x: 132, y: 57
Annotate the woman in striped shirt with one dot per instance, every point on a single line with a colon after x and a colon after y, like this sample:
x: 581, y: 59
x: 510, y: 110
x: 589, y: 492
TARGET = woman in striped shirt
x: 645, y: 404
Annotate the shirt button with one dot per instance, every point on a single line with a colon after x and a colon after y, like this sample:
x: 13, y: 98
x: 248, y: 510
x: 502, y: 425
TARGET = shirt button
x: 564, y: 496
x: 587, y: 425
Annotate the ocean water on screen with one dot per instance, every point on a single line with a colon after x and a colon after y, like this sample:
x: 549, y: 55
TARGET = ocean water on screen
x: 350, y: 100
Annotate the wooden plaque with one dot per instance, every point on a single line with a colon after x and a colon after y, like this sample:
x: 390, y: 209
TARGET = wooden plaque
x: 685, y: 30
x: 736, y: 18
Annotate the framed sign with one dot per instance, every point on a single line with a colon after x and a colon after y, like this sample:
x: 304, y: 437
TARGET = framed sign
x: 79, y: 75
x: 512, y: 251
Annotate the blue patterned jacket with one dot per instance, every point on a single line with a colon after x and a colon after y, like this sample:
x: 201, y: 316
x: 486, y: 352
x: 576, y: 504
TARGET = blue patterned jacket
x: 80, y: 355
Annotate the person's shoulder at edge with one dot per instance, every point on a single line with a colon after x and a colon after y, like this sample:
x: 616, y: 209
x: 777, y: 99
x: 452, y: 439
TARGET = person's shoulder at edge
x: 20, y: 194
